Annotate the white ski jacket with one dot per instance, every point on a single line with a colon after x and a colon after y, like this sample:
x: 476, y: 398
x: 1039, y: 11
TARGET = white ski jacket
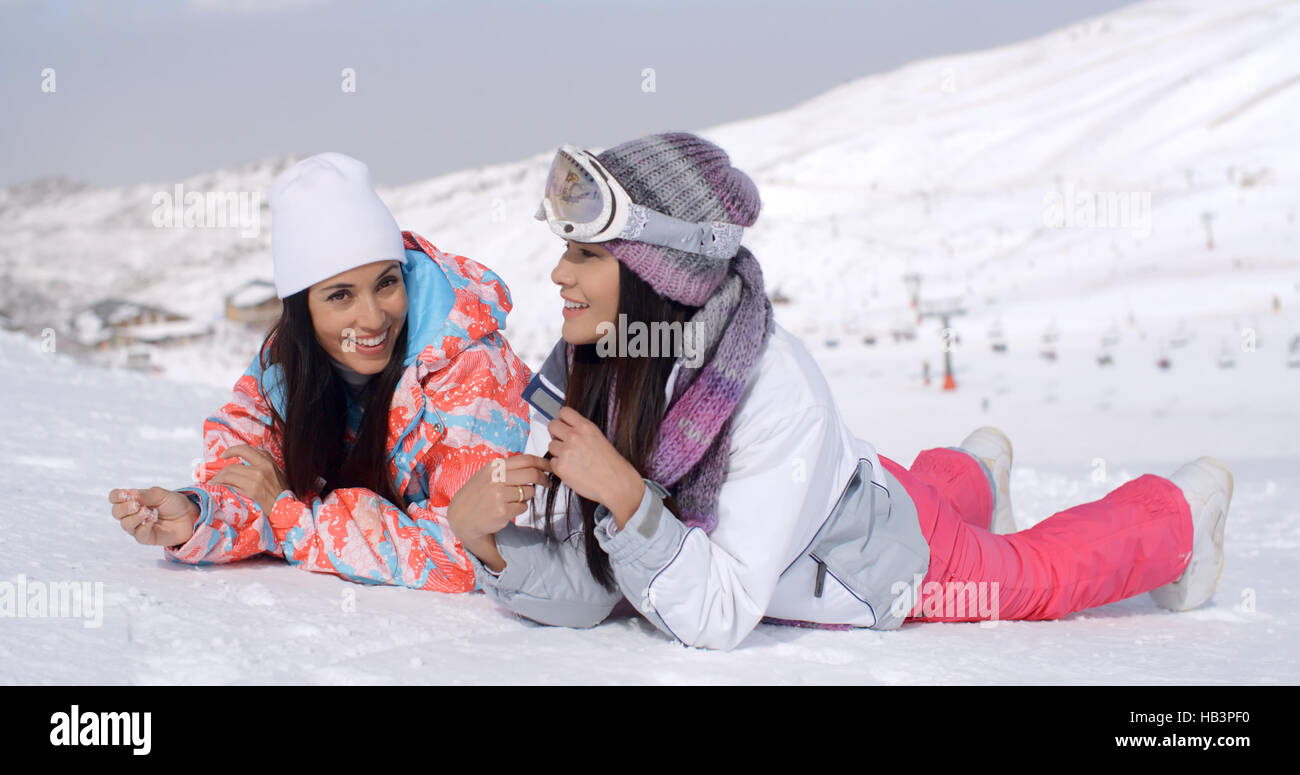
x: 810, y: 527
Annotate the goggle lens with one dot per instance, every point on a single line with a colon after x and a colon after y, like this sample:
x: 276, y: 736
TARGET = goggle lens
x: 572, y: 191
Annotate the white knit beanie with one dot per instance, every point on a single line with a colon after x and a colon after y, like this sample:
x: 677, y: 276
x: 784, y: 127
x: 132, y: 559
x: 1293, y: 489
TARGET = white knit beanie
x: 325, y: 219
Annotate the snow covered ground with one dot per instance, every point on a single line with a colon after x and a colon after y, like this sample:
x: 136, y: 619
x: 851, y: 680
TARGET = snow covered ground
x: 71, y: 433
x: 953, y: 168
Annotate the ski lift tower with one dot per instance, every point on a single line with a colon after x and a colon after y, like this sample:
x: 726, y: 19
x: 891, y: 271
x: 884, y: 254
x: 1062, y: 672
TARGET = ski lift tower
x: 944, y: 310
x: 912, y: 281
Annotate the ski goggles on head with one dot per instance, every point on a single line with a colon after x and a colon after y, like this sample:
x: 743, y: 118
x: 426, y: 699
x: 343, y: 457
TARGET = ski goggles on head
x: 583, y: 202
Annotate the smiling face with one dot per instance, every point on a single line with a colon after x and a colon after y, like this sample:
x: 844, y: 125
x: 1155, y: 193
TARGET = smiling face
x: 587, y: 275
x: 358, y: 314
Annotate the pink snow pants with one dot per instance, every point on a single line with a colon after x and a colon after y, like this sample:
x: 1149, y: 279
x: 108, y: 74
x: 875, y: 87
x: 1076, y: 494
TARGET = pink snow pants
x: 1136, y: 538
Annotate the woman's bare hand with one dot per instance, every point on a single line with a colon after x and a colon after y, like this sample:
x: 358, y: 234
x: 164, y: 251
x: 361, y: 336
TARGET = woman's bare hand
x: 590, y: 466
x: 491, y: 499
x: 155, y: 516
x: 261, y: 480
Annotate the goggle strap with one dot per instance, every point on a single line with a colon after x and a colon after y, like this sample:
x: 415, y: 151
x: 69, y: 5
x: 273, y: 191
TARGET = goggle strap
x: 709, y: 238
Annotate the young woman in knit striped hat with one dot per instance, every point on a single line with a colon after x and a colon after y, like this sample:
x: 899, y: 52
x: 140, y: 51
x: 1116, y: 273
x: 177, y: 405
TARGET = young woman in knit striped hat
x: 717, y: 486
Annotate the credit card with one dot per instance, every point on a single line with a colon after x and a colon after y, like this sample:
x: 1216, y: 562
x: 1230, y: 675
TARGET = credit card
x: 542, y: 398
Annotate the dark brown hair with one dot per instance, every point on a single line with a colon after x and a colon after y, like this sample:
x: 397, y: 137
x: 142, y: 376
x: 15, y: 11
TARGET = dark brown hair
x: 639, y: 398
x: 313, y: 429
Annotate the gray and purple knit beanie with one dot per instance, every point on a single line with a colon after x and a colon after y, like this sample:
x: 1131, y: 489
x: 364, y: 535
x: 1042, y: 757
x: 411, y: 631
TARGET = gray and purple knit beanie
x: 690, y: 178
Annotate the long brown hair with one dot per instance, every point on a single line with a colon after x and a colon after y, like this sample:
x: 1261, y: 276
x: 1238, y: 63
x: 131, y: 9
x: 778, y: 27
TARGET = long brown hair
x: 313, y: 429
x: 639, y: 399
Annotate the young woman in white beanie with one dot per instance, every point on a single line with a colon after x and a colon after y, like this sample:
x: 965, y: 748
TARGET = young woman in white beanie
x: 385, y: 384
x: 716, y: 486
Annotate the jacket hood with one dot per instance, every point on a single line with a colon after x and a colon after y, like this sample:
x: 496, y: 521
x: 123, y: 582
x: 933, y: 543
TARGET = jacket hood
x: 451, y: 301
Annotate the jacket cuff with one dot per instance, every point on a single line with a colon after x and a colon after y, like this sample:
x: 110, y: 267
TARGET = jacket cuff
x: 285, y: 514
x: 201, y: 498
x: 638, y: 553
x: 484, y: 579
x: 651, y: 526
x: 547, y: 583
x: 511, y: 578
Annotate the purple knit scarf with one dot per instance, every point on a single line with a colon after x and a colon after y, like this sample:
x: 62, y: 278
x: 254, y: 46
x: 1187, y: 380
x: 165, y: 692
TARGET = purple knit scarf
x: 732, y: 329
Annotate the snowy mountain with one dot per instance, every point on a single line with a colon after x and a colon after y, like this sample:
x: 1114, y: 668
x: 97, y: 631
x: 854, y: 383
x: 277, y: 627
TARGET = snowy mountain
x: 957, y: 168
x: 1121, y: 191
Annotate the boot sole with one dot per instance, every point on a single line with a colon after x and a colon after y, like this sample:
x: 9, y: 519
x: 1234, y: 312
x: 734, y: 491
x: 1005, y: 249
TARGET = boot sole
x: 1003, y: 521
x: 1216, y: 537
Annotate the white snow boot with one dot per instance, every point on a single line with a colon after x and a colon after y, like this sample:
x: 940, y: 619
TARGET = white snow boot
x: 1207, y: 485
x: 994, y: 448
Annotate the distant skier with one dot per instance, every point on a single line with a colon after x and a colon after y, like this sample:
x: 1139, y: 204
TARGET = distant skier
x: 716, y: 496
x: 383, y: 386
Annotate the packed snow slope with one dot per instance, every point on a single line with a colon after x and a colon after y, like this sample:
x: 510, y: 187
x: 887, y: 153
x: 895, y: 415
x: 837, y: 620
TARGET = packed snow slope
x: 71, y: 433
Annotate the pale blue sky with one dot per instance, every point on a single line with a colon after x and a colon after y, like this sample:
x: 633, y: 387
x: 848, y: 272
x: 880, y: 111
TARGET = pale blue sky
x: 155, y: 91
